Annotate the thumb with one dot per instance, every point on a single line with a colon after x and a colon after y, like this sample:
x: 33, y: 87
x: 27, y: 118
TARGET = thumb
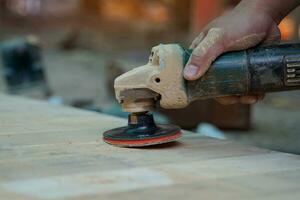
x: 204, y: 54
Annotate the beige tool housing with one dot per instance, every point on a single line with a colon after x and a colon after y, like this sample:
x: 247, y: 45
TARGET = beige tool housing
x: 162, y: 75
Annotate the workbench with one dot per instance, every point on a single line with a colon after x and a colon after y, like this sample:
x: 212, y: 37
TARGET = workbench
x: 56, y: 152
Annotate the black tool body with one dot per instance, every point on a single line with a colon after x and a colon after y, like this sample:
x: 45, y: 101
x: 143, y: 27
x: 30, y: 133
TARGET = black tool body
x: 257, y: 70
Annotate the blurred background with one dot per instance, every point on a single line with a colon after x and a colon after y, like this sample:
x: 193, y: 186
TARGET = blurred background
x: 68, y: 52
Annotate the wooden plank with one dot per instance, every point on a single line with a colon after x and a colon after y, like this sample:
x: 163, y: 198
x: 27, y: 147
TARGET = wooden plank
x: 54, y: 152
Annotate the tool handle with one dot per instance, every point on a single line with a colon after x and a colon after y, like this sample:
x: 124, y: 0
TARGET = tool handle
x: 257, y: 70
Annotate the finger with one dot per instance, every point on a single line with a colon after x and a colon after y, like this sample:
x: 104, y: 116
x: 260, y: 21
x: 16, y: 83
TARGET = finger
x: 248, y: 99
x: 197, y: 41
x: 205, y: 53
x: 228, y: 100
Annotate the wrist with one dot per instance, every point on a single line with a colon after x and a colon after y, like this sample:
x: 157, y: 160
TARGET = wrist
x: 276, y: 9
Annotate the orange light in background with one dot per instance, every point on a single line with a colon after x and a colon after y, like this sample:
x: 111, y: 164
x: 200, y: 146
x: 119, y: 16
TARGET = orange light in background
x: 121, y: 10
x: 287, y: 28
x: 156, y: 12
x: 128, y: 10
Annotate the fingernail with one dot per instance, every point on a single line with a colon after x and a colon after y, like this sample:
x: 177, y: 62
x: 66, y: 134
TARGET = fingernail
x: 191, y: 70
x: 248, y: 99
x: 252, y: 100
x: 233, y: 101
x: 260, y: 98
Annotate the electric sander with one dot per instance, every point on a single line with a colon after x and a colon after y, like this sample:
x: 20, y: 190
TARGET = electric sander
x: 256, y: 70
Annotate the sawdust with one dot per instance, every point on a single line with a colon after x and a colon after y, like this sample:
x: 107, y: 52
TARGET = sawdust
x: 197, y: 40
x: 246, y: 41
x: 214, y: 35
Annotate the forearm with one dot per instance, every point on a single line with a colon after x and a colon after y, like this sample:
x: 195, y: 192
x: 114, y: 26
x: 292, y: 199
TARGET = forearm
x: 277, y: 9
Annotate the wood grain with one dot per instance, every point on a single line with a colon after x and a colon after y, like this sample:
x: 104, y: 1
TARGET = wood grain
x: 55, y: 152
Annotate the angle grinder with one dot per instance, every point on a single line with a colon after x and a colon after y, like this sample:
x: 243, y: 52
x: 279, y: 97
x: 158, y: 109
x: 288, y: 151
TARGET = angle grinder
x: 257, y: 70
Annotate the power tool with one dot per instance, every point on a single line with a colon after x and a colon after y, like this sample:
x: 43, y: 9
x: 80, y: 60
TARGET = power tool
x: 256, y: 70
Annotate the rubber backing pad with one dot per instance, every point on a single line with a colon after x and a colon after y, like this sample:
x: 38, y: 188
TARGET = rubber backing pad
x: 126, y: 137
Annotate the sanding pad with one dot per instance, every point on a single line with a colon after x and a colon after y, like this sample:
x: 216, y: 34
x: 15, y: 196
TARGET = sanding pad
x: 141, y: 131
x: 124, y: 137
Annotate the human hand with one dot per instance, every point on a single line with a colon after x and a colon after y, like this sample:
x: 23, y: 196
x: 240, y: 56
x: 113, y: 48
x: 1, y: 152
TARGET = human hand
x: 245, y: 26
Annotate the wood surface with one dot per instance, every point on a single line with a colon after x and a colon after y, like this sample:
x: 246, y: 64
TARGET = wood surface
x: 55, y: 152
